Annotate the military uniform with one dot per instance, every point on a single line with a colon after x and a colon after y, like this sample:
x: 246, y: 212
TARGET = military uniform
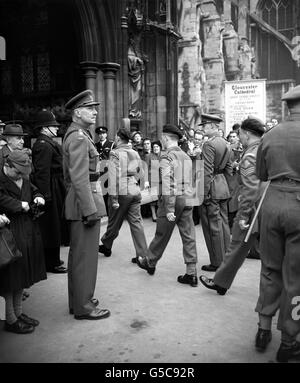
x: 83, y: 199
x: 175, y: 191
x: 214, y: 211
x: 124, y: 170
x: 249, y: 190
x: 48, y: 177
x: 278, y: 161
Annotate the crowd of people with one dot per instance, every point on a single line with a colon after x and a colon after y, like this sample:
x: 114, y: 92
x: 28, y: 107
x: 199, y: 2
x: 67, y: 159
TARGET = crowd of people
x: 56, y: 195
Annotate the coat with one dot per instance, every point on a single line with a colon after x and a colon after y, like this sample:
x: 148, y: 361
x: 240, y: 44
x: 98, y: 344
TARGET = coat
x: 217, y: 167
x: 49, y: 179
x: 30, y: 268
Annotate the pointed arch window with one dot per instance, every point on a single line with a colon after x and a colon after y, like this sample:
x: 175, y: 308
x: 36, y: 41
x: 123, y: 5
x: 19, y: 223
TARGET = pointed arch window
x: 274, y: 59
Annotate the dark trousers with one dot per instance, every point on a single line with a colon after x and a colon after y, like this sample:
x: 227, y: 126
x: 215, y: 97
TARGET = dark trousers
x: 164, y: 230
x: 280, y: 256
x: 52, y: 257
x: 214, y: 219
x: 82, y: 266
x: 130, y: 208
x: 234, y: 257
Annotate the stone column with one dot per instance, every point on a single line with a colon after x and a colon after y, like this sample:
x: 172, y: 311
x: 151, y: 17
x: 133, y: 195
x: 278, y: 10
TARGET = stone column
x: 109, y: 75
x: 213, y: 57
x: 90, y: 69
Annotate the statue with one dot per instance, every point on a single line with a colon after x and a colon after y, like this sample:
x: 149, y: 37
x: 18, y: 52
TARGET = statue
x: 135, y: 73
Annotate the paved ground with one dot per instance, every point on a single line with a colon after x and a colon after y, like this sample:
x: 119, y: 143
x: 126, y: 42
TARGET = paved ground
x: 153, y: 319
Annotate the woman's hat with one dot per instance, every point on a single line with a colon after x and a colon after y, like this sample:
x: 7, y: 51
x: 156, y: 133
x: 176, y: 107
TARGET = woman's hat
x: 20, y: 160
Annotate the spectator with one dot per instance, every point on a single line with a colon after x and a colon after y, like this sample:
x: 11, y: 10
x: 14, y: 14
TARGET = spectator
x: 104, y: 147
x: 48, y: 177
x: 16, y: 197
x: 153, y: 173
x: 2, y: 138
x: 137, y: 143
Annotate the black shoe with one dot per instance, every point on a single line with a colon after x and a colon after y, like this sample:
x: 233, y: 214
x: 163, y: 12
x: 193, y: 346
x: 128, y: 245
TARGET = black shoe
x: 262, y: 339
x: 94, y: 315
x: 19, y: 327
x: 209, y: 284
x: 95, y: 302
x: 143, y: 264
x: 30, y: 321
x: 288, y: 352
x: 209, y: 268
x: 188, y: 280
x: 253, y: 255
x: 134, y: 260
x: 58, y: 270
x: 104, y: 250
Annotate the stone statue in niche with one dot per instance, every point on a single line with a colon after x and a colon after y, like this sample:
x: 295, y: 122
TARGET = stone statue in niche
x: 135, y: 72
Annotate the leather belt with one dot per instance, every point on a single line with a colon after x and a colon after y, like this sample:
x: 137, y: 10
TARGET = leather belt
x: 285, y: 180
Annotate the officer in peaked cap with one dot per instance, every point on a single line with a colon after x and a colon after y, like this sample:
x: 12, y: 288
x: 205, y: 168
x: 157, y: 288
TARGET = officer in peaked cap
x: 84, y: 207
x: 104, y: 147
x: 48, y: 177
x: 210, y: 118
x: 249, y: 190
x: 174, y: 207
x: 278, y: 162
x: 81, y: 100
x: 214, y: 210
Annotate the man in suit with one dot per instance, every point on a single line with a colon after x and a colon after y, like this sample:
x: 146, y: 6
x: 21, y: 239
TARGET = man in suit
x: 49, y: 179
x: 104, y: 147
x: 278, y: 162
x: 84, y: 207
x: 124, y: 171
x: 14, y: 136
x: 174, y: 208
x: 214, y: 211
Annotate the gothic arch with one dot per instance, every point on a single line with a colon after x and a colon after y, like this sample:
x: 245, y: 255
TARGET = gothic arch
x: 96, y: 34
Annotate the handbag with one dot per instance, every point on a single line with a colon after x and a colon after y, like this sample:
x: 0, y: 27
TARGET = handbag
x: 149, y: 195
x: 9, y: 251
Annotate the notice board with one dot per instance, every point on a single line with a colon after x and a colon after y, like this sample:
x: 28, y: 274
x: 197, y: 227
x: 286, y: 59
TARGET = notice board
x: 244, y: 98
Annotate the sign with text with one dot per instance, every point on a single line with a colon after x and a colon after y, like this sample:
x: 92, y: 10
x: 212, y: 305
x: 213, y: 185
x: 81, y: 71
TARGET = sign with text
x: 242, y: 99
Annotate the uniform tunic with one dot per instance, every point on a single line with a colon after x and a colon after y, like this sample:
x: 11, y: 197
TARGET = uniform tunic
x: 278, y: 161
x: 84, y: 197
x: 174, y: 197
x: 214, y: 210
x: 248, y: 192
x: 124, y: 171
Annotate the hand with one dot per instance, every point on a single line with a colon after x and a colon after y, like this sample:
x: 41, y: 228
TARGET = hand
x: 171, y: 217
x: 39, y: 201
x: 243, y: 225
x: 25, y: 206
x: 91, y: 219
x: 115, y: 205
x: 4, y: 220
